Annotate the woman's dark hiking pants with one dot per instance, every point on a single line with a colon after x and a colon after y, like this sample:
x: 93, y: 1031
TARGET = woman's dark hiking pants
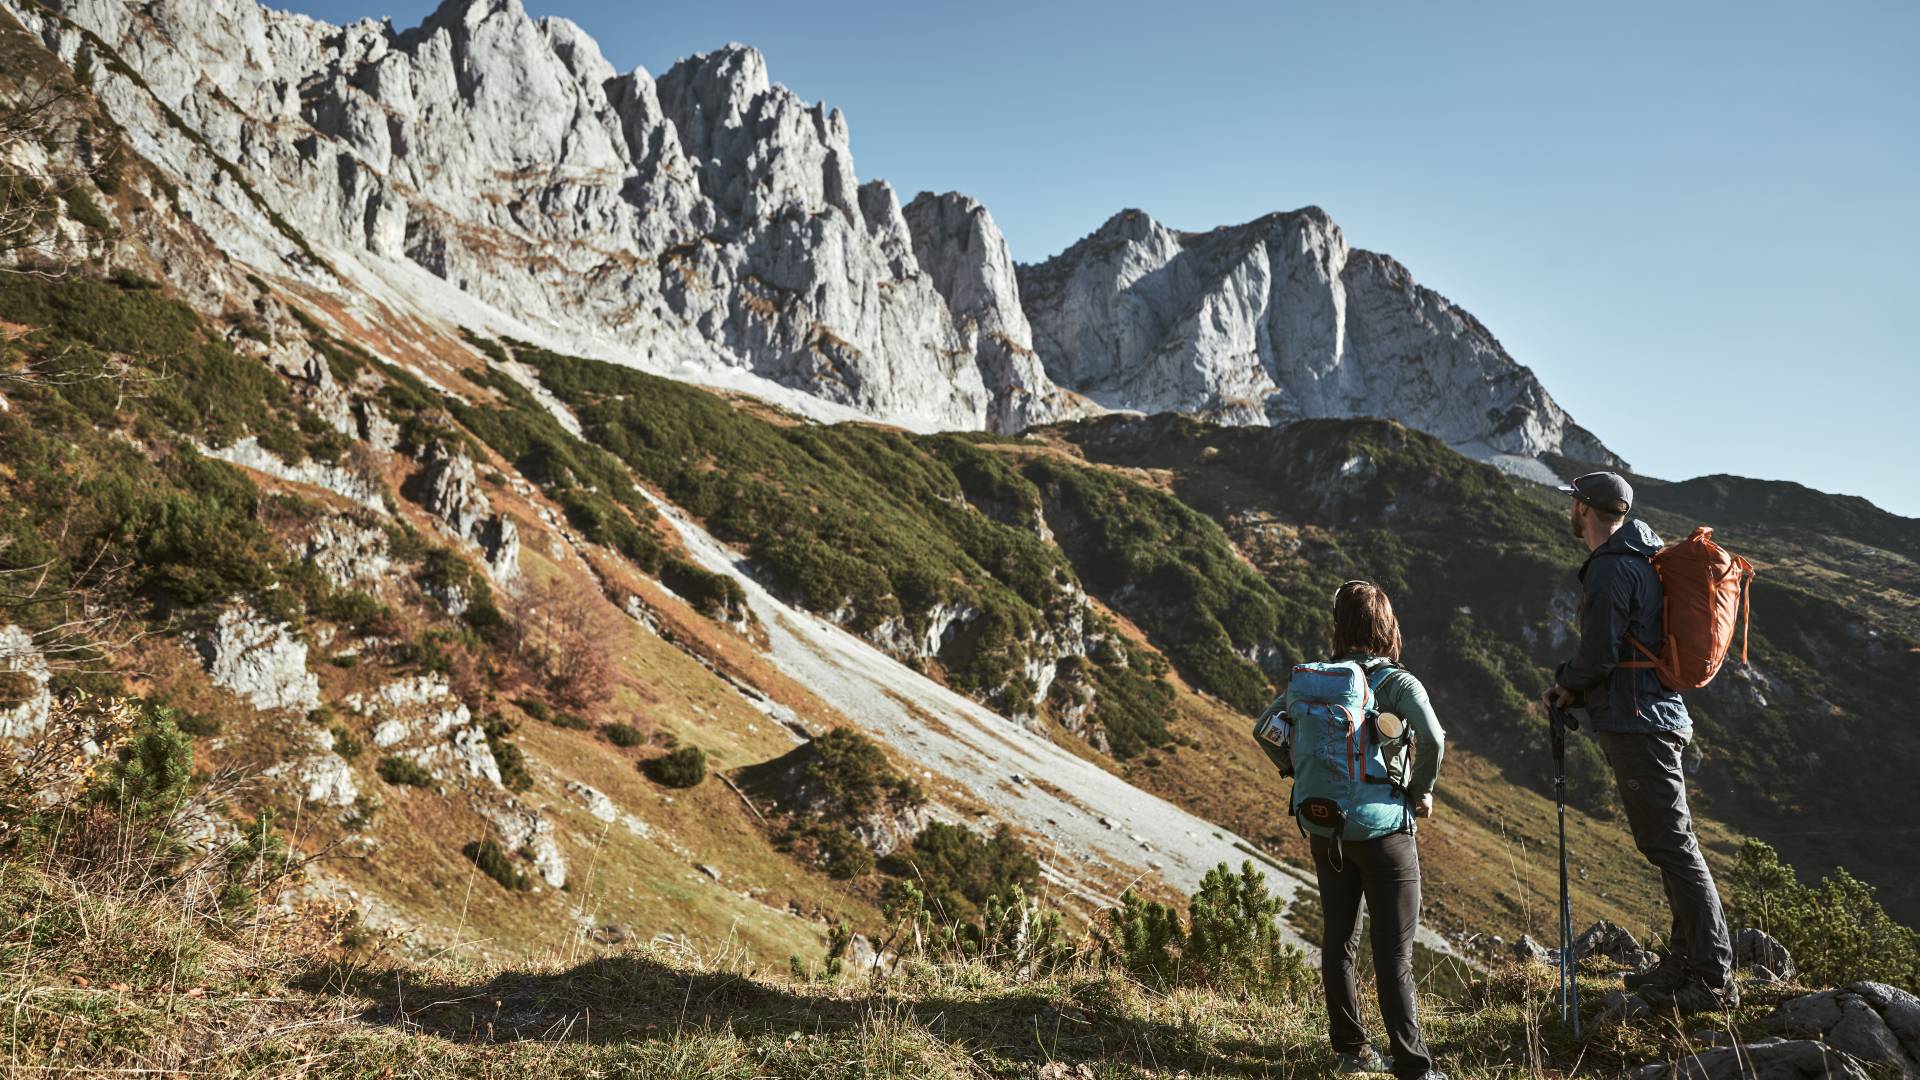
x: 1654, y: 791
x: 1386, y: 874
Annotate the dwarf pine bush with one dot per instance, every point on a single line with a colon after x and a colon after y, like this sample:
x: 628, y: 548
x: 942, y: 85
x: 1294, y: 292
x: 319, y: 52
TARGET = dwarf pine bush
x: 1836, y: 931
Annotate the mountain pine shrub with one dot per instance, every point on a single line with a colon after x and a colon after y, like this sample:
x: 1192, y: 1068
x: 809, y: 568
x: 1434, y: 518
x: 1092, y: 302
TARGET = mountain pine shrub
x: 681, y: 768
x: 1837, y: 932
x: 494, y: 862
x: 1231, y: 941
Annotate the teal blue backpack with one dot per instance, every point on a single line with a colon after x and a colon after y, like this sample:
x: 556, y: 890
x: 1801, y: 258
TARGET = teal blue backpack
x: 1321, y: 733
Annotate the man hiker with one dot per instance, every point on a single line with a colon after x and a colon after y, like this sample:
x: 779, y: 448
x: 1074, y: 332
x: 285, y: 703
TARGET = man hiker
x: 1644, y: 729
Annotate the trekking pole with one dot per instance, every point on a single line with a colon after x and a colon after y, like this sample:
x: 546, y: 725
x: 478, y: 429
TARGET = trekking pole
x: 1559, y: 722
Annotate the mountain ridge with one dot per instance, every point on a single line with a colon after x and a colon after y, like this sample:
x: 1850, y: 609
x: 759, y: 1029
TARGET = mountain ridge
x: 706, y: 224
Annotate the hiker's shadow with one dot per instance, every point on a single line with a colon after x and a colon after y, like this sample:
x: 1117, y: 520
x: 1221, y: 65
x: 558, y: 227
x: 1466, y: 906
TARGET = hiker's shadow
x: 641, y: 999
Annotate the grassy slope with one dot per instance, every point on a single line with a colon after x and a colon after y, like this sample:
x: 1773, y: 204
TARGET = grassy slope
x: 101, y: 980
x: 1481, y: 570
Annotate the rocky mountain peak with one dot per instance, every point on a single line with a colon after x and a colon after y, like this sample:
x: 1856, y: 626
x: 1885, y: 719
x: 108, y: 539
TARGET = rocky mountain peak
x: 1279, y: 319
x: 709, y: 224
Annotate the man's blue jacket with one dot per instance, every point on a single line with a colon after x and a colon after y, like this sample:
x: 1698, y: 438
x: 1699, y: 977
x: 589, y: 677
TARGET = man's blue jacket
x: 1623, y: 597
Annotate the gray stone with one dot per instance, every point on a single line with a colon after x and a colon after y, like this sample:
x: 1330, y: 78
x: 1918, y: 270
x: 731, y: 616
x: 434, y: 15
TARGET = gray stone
x: 420, y: 718
x: 349, y: 553
x: 1756, y: 951
x: 529, y: 833
x: 1870, y: 1021
x: 344, y: 481
x: 596, y: 802
x: 24, y: 668
x: 259, y: 660
x: 1527, y: 950
x: 1763, y: 1059
x: 1613, y: 942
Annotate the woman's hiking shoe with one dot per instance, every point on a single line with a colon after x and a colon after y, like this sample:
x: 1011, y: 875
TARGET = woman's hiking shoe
x: 1667, y: 976
x: 1368, y: 1060
x: 1694, y: 996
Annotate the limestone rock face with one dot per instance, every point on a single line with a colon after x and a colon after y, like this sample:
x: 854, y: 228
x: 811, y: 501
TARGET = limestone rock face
x: 703, y: 223
x: 450, y: 490
x: 418, y: 717
x: 257, y: 659
x: 321, y: 777
x: 25, y: 701
x: 1277, y: 320
x: 349, y: 553
x: 529, y: 833
x: 709, y: 225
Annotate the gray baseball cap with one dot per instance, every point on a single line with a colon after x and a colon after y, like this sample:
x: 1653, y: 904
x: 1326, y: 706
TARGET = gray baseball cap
x: 1601, y: 490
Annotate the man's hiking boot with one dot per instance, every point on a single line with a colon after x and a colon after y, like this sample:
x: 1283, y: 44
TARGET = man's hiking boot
x: 1694, y: 996
x: 1666, y: 976
x: 1368, y: 1060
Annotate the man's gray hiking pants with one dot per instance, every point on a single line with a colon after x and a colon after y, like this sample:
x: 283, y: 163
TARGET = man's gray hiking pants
x: 1653, y: 789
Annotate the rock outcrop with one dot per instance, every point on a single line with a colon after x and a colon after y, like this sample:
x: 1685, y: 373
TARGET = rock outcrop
x: 25, y: 701
x: 258, y: 659
x: 1757, y: 952
x: 1277, y: 320
x: 527, y: 832
x: 419, y: 718
x: 320, y: 777
x: 450, y: 490
x: 1615, y: 943
x: 1873, y: 1022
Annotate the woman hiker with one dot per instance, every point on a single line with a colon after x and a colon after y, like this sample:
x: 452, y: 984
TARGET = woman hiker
x: 1361, y: 823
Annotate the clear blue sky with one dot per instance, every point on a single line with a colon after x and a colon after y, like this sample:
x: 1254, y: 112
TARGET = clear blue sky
x: 1698, y: 223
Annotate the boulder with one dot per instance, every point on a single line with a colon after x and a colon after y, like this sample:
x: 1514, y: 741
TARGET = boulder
x: 1757, y: 952
x: 257, y: 659
x: 1527, y: 950
x: 594, y: 800
x: 25, y: 701
x: 528, y: 833
x: 1873, y: 1022
x: 1763, y: 1059
x: 1613, y: 942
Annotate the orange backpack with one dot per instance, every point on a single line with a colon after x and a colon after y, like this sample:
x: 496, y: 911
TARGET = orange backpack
x: 1707, y: 591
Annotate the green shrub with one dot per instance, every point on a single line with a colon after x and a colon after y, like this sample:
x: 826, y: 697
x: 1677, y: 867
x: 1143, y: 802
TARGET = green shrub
x: 345, y: 743
x: 535, y: 708
x: 572, y: 721
x: 842, y: 853
x: 1230, y: 943
x: 395, y: 769
x: 150, y: 777
x: 853, y: 772
x: 1837, y: 932
x: 494, y: 862
x: 623, y: 735
x: 1145, y: 939
x: 682, y: 768
x: 959, y: 871
x: 1233, y: 941
x: 506, y: 753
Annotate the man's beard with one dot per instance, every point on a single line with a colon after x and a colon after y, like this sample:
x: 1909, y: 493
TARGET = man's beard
x: 1573, y: 525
